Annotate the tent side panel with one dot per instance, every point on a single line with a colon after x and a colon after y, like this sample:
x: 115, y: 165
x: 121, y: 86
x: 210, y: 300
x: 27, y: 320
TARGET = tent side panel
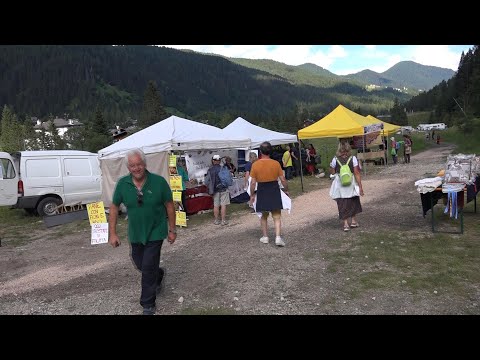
x: 113, y: 169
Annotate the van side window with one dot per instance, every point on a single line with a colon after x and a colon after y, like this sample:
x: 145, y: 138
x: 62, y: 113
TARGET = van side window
x: 42, y: 168
x: 7, y: 171
x: 77, y: 167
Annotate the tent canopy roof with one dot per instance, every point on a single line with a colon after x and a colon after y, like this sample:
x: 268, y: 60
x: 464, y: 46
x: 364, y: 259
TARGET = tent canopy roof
x: 257, y: 134
x: 175, y: 133
x: 341, y: 122
x: 387, y: 127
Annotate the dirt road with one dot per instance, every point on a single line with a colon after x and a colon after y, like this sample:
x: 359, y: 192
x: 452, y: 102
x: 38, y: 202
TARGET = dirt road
x: 225, y: 269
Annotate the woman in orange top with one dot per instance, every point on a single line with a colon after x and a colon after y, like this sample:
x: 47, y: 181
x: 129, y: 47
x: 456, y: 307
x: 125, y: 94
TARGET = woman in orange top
x: 266, y: 172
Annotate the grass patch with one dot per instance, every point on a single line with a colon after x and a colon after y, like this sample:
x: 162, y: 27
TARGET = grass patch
x: 420, y: 117
x: 411, y: 261
x: 466, y: 143
x: 18, y: 227
x: 419, y: 142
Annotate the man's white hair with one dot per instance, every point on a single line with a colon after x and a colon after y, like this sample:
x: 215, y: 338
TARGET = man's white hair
x: 133, y: 152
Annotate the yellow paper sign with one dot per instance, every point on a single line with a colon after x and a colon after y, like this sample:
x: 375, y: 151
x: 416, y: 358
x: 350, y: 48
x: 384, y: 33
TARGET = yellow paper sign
x: 177, y: 196
x: 181, y: 218
x: 96, y: 213
x: 172, y: 161
x: 176, y: 183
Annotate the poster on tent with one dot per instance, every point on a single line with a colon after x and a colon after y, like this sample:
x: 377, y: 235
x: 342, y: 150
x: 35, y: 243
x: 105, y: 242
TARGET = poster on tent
x: 373, y: 128
x: 172, y: 165
x: 372, y: 136
x: 372, y: 139
x: 176, y: 183
x: 181, y: 218
x: 199, y: 161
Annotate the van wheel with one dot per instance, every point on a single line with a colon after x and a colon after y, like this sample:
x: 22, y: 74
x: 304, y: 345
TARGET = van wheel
x: 48, y: 206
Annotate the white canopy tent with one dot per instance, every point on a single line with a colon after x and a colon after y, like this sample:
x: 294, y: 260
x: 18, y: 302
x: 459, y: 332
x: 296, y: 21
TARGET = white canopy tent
x: 241, y: 127
x: 173, y: 133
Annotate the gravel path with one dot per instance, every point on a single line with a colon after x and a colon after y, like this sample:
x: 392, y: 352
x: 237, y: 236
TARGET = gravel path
x: 225, y: 269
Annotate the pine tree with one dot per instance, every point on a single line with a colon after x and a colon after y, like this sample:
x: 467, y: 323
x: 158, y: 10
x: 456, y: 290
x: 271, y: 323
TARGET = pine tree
x: 57, y: 142
x: 152, y: 110
x: 76, y: 138
x: 30, y: 135
x: 398, y: 114
x: 97, y: 135
x: 99, y: 125
x: 11, y: 138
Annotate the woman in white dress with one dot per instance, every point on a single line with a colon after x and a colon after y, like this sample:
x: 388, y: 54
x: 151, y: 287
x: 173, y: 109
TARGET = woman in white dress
x: 347, y: 197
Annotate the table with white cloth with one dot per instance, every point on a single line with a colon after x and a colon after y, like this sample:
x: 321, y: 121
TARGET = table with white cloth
x: 237, y: 188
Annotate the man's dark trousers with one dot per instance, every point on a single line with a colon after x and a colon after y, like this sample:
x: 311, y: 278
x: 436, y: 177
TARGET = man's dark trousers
x: 147, y: 260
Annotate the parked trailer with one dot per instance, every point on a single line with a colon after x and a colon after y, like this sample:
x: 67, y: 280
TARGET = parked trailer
x: 428, y: 127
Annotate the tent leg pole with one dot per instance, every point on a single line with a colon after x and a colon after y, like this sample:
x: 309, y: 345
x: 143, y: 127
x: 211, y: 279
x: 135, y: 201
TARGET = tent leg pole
x: 384, y: 149
x: 364, y: 156
x: 300, y: 154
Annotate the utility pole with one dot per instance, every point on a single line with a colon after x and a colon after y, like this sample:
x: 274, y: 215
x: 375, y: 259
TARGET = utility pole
x: 460, y: 108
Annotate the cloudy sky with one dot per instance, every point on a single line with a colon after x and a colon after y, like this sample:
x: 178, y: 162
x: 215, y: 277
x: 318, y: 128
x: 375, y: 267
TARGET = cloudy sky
x: 342, y: 59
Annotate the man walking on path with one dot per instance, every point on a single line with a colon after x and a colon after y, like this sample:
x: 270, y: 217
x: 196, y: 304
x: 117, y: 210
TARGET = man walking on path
x: 149, y: 202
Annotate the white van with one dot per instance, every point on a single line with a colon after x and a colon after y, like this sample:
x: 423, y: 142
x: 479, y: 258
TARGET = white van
x: 38, y: 181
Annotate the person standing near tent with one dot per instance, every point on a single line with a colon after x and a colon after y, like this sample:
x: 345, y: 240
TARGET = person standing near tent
x: 266, y: 172
x: 393, y: 149
x: 311, y: 153
x: 346, y: 196
x: 148, y: 198
x: 407, y: 148
x: 221, y: 196
x: 182, y: 171
x: 252, y: 157
x: 229, y: 165
x: 296, y: 159
x: 287, y: 163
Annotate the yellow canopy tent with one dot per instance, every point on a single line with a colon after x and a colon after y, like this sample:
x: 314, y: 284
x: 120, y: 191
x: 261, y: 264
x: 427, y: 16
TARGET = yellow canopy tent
x: 388, y: 128
x: 341, y: 122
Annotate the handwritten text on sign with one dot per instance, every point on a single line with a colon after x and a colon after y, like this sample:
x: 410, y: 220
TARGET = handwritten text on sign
x: 180, y: 218
x: 96, y: 213
x: 99, y: 233
x: 177, y: 196
x: 176, y: 183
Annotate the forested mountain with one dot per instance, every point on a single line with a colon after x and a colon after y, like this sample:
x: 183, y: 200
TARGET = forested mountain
x: 53, y: 80
x: 407, y: 74
x: 456, y: 101
x: 306, y: 74
x: 370, y: 77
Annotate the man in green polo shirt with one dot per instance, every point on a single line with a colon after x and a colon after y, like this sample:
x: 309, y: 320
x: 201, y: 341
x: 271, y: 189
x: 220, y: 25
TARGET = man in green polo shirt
x: 148, y: 199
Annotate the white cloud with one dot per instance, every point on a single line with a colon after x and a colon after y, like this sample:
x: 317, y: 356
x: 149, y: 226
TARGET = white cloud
x: 337, y: 51
x: 436, y: 55
x: 371, y: 47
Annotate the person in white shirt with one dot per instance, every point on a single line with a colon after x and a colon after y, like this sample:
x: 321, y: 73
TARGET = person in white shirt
x: 347, y: 197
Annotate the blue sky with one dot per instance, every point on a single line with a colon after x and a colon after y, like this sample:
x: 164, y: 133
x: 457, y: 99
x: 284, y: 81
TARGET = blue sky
x: 342, y: 59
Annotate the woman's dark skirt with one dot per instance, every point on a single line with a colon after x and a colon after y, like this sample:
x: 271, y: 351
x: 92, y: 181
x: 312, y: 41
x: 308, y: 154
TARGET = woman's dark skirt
x: 268, y: 196
x: 348, y: 207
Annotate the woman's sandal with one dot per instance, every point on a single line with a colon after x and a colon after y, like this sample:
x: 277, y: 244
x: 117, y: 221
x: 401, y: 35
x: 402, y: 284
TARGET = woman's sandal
x: 346, y: 228
x: 354, y: 225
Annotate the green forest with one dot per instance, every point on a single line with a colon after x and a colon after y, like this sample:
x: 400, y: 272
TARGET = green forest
x: 456, y: 101
x: 104, y: 86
